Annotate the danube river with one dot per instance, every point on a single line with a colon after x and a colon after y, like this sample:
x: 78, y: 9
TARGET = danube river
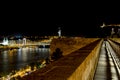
x: 11, y: 60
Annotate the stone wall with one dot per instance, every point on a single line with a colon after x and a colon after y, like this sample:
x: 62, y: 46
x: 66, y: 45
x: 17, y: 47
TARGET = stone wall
x: 116, y: 39
x: 68, y: 45
x: 86, y: 70
x: 115, y: 43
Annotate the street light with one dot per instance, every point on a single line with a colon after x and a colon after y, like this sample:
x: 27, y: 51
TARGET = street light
x: 103, y: 25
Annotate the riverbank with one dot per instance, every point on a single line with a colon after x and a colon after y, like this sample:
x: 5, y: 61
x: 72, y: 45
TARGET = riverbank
x: 8, y: 47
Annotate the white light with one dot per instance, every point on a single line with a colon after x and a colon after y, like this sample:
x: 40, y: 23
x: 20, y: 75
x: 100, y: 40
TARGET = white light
x: 5, y: 41
x: 59, y: 32
x: 103, y: 25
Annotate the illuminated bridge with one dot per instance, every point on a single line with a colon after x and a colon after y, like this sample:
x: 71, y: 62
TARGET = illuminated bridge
x: 26, y: 43
x: 39, y: 44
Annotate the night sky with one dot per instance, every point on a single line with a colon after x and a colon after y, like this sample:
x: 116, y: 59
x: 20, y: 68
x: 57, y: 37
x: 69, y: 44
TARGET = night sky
x: 45, y: 21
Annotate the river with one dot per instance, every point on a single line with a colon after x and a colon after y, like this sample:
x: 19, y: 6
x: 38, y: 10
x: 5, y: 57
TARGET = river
x: 18, y: 58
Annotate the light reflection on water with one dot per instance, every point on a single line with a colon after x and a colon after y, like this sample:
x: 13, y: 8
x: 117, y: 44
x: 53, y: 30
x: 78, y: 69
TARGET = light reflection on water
x: 19, y: 58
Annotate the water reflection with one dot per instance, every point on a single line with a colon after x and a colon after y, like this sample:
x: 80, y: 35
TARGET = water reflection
x: 19, y: 58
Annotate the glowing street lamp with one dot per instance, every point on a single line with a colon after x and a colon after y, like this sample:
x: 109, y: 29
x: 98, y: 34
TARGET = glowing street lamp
x: 103, y: 25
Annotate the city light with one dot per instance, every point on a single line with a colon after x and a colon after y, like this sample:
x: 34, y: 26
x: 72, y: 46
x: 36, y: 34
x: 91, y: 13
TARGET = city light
x: 5, y: 41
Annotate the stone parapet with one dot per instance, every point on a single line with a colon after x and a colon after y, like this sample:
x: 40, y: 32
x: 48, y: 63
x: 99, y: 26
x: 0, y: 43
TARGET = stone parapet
x: 68, y: 45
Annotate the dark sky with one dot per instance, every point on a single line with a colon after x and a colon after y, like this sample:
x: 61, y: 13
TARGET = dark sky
x: 45, y: 21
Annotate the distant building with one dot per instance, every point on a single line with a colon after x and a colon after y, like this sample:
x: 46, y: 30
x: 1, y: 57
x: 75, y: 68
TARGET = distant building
x: 5, y: 41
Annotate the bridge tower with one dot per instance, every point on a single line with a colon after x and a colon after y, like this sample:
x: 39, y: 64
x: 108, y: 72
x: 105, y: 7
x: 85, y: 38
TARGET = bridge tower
x: 24, y: 41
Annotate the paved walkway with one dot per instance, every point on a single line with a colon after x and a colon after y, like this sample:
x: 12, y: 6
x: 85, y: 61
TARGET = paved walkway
x: 106, y: 68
